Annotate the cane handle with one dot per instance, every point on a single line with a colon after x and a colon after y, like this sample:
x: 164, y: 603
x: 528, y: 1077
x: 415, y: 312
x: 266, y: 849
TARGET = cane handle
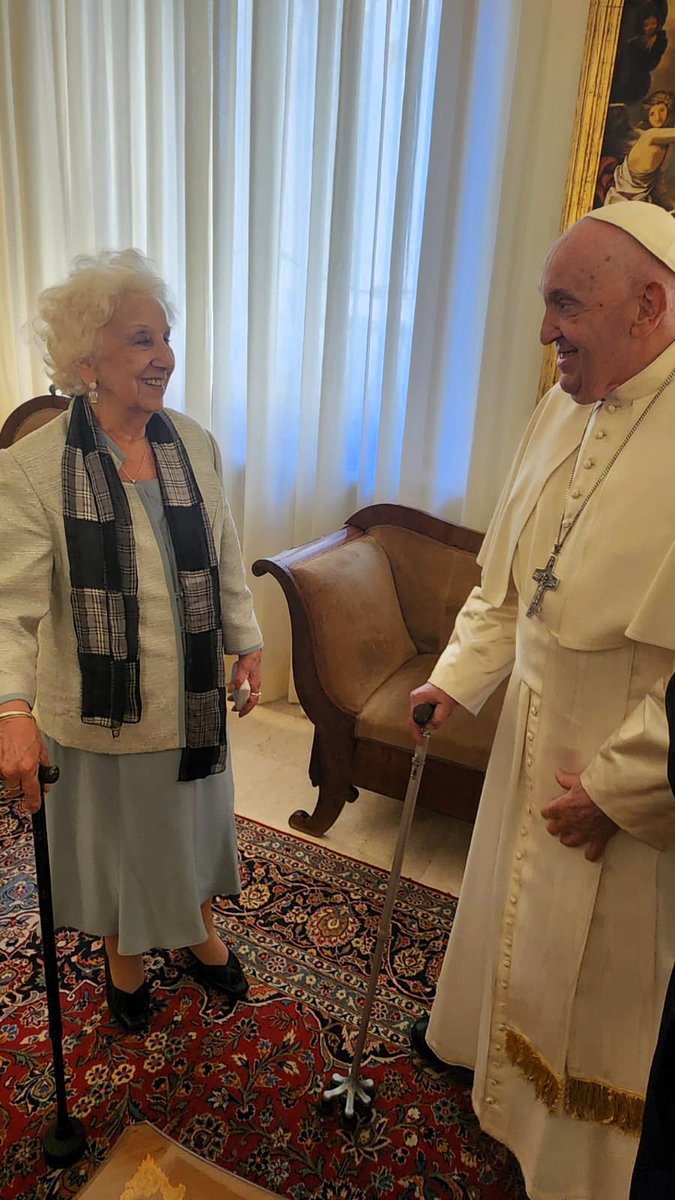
x: 422, y: 714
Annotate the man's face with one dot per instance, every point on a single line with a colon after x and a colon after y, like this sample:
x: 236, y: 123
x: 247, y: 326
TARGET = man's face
x: 590, y: 311
x: 650, y: 26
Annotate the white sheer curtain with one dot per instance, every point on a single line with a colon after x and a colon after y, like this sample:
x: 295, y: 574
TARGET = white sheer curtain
x: 350, y: 199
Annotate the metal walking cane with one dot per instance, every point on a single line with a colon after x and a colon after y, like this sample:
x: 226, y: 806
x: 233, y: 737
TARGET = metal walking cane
x: 65, y: 1141
x: 353, y: 1087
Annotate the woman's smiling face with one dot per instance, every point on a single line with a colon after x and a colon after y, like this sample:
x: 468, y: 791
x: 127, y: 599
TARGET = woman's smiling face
x: 132, y: 360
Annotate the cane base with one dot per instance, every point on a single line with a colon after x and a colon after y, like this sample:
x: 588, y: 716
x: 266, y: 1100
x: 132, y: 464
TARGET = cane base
x: 64, y: 1146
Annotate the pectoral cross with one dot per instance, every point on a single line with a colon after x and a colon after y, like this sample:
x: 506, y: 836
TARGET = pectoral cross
x: 546, y: 582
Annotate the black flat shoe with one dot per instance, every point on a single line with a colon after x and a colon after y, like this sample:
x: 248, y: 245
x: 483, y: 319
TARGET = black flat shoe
x: 418, y: 1041
x: 227, y: 978
x: 131, y: 1010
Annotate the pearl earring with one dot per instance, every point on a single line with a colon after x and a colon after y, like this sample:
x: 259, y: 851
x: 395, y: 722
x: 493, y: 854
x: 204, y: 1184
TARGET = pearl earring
x: 93, y: 392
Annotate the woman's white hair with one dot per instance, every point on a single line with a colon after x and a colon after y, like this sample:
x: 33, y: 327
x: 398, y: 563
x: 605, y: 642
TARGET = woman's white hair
x: 71, y: 314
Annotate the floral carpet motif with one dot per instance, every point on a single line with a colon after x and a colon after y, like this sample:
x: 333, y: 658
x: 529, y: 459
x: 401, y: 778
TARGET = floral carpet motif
x: 242, y: 1087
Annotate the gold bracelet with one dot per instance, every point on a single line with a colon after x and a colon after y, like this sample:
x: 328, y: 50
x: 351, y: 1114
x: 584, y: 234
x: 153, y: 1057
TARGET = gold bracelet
x: 16, y: 712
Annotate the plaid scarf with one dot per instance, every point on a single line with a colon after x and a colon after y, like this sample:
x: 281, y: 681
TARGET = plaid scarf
x: 104, y: 586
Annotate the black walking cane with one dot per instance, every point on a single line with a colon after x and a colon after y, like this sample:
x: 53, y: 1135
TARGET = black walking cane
x: 65, y: 1141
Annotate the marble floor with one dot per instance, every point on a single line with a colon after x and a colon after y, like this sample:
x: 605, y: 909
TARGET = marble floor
x: 270, y: 753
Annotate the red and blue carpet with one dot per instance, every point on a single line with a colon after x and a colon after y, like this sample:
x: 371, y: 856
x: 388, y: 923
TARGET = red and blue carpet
x: 241, y: 1088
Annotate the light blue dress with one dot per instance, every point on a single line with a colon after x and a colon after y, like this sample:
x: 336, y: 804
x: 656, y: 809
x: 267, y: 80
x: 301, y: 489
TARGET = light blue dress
x: 133, y: 851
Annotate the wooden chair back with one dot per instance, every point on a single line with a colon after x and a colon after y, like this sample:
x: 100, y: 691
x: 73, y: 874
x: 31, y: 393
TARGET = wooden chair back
x: 31, y: 415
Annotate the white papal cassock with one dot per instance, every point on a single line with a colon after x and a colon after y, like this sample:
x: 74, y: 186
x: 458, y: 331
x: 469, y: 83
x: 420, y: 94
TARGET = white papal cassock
x: 556, y: 968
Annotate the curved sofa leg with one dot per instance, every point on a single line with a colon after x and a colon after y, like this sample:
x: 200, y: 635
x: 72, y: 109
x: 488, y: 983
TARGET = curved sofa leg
x: 329, y: 770
x: 329, y: 805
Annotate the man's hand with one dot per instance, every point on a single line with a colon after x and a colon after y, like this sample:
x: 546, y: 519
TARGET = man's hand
x: 575, y: 820
x: 429, y: 694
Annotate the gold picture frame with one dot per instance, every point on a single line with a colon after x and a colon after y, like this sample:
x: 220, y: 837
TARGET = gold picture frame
x: 602, y: 36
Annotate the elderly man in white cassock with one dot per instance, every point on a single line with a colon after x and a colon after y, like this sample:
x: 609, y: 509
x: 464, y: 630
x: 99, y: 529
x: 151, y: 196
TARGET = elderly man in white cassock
x: 554, y: 978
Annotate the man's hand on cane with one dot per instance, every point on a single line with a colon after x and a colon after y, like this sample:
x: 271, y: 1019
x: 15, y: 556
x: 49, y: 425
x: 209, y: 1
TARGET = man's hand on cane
x: 576, y: 820
x: 444, y: 705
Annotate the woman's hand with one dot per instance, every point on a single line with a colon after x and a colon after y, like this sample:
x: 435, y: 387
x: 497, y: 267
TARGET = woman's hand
x: 248, y: 666
x: 444, y: 705
x: 22, y: 750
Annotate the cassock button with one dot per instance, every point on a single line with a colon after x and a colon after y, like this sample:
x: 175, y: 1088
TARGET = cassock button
x: 530, y: 736
x: 588, y: 463
x: 519, y: 854
x: 523, y: 831
x: 529, y: 760
x: 576, y: 493
x: 489, y: 1100
x: 534, y: 710
x: 611, y: 408
x: 600, y: 435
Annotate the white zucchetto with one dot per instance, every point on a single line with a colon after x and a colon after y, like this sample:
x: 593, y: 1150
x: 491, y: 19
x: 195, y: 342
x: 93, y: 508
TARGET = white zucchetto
x: 649, y: 224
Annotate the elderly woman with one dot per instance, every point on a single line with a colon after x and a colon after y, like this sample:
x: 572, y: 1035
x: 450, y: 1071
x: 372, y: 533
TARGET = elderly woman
x: 121, y: 589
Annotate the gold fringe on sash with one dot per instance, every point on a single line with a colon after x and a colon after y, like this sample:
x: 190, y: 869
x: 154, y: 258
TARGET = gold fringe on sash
x: 547, y: 1086
x: 591, y: 1101
x: 586, y: 1099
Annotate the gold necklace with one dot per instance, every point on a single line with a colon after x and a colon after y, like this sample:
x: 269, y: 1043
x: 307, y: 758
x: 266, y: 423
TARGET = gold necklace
x: 123, y: 470
x: 544, y: 577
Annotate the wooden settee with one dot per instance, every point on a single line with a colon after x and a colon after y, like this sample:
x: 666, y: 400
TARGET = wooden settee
x: 371, y: 608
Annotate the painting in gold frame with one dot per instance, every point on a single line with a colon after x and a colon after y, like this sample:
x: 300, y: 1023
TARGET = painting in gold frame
x: 624, y: 129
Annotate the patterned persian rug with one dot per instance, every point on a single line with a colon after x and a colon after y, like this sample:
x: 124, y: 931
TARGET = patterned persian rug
x: 241, y: 1088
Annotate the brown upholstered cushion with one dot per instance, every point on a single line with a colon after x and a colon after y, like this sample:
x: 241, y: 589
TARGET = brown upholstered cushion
x: 432, y: 582
x: 359, y: 634
x: 462, y: 739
